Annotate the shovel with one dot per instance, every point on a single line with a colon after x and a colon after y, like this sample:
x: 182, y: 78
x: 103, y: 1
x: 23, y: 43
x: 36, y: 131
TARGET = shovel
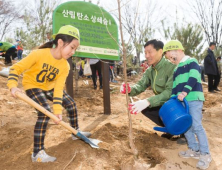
x: 92, y: 142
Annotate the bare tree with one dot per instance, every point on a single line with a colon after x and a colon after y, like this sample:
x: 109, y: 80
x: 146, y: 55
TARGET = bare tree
x: 140, y: 21
x: 37, y: 22
x: 132, y: 145
x: 190, y: 35
x: 8, y: 15
x: 209, y: 13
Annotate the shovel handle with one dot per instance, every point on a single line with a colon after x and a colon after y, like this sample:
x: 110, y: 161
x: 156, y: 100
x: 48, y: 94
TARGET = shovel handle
x: 43, y: 110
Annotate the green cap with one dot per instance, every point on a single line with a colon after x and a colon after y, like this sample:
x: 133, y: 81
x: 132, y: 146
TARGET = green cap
x: 68, y: 30
x: 173, y: 45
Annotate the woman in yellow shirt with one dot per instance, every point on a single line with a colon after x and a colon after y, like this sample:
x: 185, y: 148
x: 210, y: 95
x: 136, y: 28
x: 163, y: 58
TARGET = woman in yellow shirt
x: 45, y: 72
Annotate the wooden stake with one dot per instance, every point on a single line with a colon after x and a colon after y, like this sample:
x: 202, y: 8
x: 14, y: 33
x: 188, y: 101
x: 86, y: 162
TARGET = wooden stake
x: 132, y: 145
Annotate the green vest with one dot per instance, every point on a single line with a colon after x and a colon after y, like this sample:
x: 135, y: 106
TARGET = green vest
x: 160, y: 78
x: 4, y: 46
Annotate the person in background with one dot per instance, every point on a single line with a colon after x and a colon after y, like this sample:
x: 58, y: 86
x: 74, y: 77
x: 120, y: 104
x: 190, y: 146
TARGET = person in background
x: 81, y: 65
x: 210, y: 68
x: 217, y: 79
x: 45, y: 71
x: 95, y: 65
x: 187, y: 85
x: 202, y: 72
x: 49, y: 37
x: 134, y: 60
x: 144, y: 65
x: 112, y: 72
x: 19, y: 47
x: 119, y: 65
x: 8, y: 51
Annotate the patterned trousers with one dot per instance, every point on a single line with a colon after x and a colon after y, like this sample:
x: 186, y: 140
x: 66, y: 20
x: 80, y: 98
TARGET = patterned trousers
x: 40, y: 96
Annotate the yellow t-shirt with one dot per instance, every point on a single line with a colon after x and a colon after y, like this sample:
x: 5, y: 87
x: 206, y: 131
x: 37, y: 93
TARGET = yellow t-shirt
x: 41, y: 70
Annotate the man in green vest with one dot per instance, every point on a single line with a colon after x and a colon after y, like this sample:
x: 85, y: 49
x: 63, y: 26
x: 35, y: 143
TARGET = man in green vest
x: 7, y: 50
x: 159, y: 76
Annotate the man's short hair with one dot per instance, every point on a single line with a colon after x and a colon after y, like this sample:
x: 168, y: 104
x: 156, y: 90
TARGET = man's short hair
x: 212, y: 43
x: 219, y: 58
x: 157, y: 44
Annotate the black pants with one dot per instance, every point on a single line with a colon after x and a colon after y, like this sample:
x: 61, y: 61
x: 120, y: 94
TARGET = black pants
x: 94, y: 68
x: 212, y: 82
x: 153, y: 114
x: 11, y: 52
x: 118, y: 70
x: 217, y: 80
x: 202, y: 75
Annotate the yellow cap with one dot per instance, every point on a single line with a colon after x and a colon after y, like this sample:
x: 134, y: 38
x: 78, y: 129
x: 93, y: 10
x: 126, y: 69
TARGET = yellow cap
x: 68, y: 30
x: 173, y: 45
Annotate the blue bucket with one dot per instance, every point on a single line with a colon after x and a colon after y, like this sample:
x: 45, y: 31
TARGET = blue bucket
x: 175, y: 117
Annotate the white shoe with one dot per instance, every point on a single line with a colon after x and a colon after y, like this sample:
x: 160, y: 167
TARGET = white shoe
x: 189, y: 154
x: 42, y: 157
x: 204, y: 161
x: 87, y: 134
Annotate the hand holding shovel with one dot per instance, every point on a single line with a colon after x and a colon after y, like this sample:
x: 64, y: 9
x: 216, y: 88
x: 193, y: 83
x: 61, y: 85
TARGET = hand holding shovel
x: 92, y: 142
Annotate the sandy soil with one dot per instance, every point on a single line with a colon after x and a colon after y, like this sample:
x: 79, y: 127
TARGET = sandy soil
x: 17, y: 121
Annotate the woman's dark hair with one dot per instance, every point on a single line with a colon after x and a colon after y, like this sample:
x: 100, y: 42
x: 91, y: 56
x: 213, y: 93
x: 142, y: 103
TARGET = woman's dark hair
x: 156, y: 44
x: 65, y: 38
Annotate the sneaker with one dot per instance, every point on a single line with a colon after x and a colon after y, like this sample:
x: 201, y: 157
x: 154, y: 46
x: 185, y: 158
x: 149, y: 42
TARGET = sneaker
x: 211, y: 91
x: 42, y: 157
x: 189, y: 154
x: 114, y: 81
x: 100, y: 87
x: 95, y: 87
x: 204, y: 161
x: 8, y: 64
x: 87, y: 134
x: 181, y: 141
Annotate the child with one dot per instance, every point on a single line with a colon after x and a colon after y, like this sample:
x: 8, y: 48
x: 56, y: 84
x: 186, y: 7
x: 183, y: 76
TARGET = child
x: 187, y: 84
x: 19, y: 49
x: 45, y: 72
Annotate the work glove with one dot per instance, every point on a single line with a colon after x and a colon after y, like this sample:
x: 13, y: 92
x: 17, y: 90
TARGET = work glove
x: 123, y: 88
x: 138, y: 106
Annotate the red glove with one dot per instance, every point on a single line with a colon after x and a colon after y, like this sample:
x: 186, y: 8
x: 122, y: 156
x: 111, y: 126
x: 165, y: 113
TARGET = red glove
x: 123, y: 88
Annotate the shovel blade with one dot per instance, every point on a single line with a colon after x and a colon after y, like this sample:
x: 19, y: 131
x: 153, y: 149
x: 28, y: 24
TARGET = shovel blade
x: 92, y: 142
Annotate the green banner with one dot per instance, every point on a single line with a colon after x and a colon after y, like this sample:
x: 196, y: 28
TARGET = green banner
x: 98, y: 29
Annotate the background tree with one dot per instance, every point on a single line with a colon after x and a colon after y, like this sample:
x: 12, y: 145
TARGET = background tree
x: 9, y: 13
x: 209, y: 13
x: 37, y: 22
x: 191, y: 36
x: 139, y: 22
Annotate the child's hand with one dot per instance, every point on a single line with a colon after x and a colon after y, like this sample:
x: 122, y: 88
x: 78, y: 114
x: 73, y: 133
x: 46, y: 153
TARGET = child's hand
x: 59, y: 117
x: 14, y: 90
x: 182, y: 95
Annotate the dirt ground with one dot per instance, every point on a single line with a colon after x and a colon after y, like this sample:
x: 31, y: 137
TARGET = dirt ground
x: 17, y: 121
